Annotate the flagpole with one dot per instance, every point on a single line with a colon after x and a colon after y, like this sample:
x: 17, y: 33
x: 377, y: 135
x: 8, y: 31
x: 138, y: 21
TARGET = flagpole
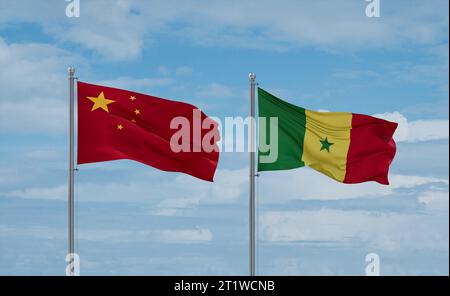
x: 71, y: 207
x: 252, y: 77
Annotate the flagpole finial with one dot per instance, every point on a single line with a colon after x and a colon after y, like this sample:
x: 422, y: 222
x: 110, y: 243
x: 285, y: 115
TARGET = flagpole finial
x: 251, y: 76
x: 71, y: 71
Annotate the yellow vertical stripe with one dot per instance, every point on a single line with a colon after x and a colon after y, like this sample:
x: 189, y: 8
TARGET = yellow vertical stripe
x: 332, y: 130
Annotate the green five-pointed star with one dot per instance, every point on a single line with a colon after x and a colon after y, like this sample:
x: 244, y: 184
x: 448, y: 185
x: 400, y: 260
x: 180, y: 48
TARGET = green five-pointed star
x: 325, y: 145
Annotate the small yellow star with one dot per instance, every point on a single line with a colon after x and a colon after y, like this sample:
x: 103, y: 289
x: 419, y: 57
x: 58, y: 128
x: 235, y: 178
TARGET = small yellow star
x: 137, y: 111
x: 133, y: 120
x: 132, y: 98
x: 120, y: 127
x: 100, y: 102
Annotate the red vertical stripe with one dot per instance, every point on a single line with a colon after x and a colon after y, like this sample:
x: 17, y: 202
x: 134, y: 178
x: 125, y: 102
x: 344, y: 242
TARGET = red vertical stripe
x: 371, y: 150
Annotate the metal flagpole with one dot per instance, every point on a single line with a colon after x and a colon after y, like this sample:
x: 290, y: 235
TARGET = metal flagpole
x: 71, y: 72
x: 252, y: 77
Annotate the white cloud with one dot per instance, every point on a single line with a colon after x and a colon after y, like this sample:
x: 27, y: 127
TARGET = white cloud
x: 228, y: 187
x: 33, y: 87
x: 116, y: 33
x: 407, y: 181
x: 42, y: 154
x: 176, y: 206
x: 215, y: 90
x: 196, y: 235
x: 433, y: 71
x: 34, y: 70
x: 170, y: 195
x: 181, y: 236
x: 35, y: 115
x: 427, y: 130
x: 124, y: 27
x: 380, y: 231
x: 307, y: 184
x: 51, y: 193
x: 435, y: 200
x: 33, y: 231
x: 318, y: 23
x: 417, y: 131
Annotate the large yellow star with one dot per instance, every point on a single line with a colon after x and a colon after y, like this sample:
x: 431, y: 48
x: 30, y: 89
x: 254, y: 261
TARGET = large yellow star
x: 100, y: 102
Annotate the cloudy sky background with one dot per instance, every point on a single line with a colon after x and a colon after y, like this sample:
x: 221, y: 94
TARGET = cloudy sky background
x: 133, y: 219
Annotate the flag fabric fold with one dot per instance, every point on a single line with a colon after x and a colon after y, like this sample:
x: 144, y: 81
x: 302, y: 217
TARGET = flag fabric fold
x: 348, y: 147
x: 119, y: 124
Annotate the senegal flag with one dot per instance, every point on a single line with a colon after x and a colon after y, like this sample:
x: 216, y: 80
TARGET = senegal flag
x: 348, y: 147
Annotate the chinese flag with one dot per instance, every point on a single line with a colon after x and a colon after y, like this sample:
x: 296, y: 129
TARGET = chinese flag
x: 119, y: 124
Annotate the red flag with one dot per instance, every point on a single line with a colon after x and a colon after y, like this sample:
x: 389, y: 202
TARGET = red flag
x: 119, y: 124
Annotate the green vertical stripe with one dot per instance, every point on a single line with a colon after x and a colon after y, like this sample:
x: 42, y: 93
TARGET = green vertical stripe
x: 291, y: 131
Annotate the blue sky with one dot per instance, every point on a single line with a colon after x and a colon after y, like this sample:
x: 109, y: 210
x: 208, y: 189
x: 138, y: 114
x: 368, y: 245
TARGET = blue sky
x: 133, y: 219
